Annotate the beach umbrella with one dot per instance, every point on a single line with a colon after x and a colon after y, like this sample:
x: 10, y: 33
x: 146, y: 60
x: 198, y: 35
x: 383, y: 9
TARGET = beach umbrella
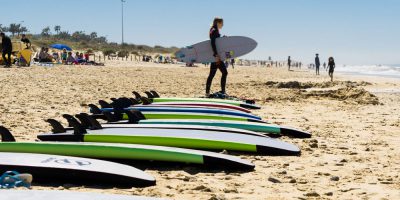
x: 61, y: 47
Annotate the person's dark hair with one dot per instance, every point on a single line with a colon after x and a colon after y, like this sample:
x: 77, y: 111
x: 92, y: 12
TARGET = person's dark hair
x: 2, y: 34
x: 23, y: 35
x: 217, y: 20
x: 331, y: 59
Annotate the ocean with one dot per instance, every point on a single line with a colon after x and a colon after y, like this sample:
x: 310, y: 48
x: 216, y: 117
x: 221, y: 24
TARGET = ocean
x: 371, y: 70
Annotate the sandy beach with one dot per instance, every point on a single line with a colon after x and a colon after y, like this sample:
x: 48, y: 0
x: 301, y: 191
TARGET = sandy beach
x: 352, y: 154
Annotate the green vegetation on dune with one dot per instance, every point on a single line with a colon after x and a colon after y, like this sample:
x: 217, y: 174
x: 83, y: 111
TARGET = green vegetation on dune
x: 82, y: 41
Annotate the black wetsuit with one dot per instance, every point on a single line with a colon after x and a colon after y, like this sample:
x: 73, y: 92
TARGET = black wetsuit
x: 317, y: 64
x: 7, y: 49
x: 214, y: 34
x: 331, y: 66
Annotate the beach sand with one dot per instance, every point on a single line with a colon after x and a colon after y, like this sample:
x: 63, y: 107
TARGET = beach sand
x: 353, y: 154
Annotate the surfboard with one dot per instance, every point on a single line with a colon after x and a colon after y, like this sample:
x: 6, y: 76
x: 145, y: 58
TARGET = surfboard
x: 157, y: 99
x: 173, y: 115
x: 65, y: 195
x: 251, y: 126
x: 86, y: 122
x: 123, y: 152
x: 66, y: 169
x: 227, y: 47
x: 231, y: 102
x: 166, y: 109
x: 188, y: 138
x: 198, y: 105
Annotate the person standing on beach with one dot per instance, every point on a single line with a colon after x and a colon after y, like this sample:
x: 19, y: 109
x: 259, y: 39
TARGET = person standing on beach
x: 331, y: 67
x: 324, y: 65
x: 218, y: 23
x: 288, y: 62
x: 7, y: 49
x: 26, y: 41
x: 317, y: 64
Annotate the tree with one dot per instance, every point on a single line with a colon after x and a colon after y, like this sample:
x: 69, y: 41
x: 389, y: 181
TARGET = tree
x: 93, y: 35
x: 63, y: 35
x: 57, y: 29
x: 79, y: 36
x: 22, y: 29
x: 3, y: 28
x: 101, y: 40
x: 45, y: 32
x: 14, y: 28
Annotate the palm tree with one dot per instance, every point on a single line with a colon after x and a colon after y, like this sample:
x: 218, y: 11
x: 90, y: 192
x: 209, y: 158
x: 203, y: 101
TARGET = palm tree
x: 46, y: 31
x: 14, y: 28
x: 57, y: 29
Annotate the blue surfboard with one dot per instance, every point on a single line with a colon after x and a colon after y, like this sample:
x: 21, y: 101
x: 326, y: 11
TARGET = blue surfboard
x: 189, y: 110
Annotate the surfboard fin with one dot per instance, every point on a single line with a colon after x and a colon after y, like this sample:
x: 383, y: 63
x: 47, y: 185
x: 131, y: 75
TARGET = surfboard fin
x: 133, y: 118
x: 78, y: 128
x: 134, y: 101
x: 104, y: 104
x: 112, y: 117
x: 121, y: 103
x: 145, y: 101
x: 138, y: 114
x: 124, y: 102
x: 149, y: 94
x: 136, y: 95
x: 56, y: 126
x: 155, y: 94
x: 93, y: 123
x: 6, y: 135
x: 84, y: 121
x: 94, y: 109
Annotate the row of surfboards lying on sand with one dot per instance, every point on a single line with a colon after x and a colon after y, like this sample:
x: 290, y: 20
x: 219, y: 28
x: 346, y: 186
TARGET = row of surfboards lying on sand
x: 142, y: 131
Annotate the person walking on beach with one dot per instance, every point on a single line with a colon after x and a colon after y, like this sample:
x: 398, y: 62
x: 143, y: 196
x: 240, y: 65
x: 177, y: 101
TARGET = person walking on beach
x: 218, y: 23
x: 331, y: 67
x: 288, y: 62
x: 324, y: 65
x: 317, y: 64
x: 7, y: 49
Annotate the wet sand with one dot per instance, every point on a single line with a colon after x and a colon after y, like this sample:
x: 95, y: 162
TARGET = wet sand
x: 353, y: 154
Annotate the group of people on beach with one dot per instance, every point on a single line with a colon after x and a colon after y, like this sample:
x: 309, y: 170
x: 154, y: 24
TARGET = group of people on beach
x: 64, y: 57
x: 330, y: 68
x: 45, y: 55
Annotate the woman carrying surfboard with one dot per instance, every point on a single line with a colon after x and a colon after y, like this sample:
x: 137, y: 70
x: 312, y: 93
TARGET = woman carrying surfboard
x: 218, y: 64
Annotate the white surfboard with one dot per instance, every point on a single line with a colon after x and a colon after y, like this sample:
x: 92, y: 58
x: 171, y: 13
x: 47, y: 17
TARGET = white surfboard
x: 65, y: 195
x: 227, y: 47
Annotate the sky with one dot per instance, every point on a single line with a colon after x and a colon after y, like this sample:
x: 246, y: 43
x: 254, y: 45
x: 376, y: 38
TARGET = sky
x: 358, y: 32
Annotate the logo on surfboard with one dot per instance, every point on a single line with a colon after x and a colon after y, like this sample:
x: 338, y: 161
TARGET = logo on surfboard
x: 65, y: 161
